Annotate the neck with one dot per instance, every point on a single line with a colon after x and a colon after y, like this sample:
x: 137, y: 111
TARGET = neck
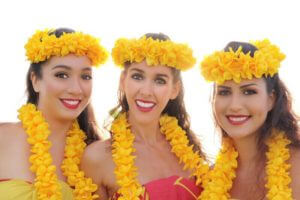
x: 249, y: 154
x: 58, y: 128
x: 146, y: 133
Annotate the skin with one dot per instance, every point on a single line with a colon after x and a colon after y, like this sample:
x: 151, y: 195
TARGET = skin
x: 65, y: 77
x: 250, y: 103
x: 154, y: 159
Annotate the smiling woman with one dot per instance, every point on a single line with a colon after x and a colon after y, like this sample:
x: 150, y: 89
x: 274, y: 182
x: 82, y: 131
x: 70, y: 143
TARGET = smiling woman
x: 56, y: 123
x: 152, y: 153
x: 252, y: 107
x: 65, y: 86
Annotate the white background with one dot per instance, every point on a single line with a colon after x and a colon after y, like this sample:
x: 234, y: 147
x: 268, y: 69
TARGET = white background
x: 205, y: 25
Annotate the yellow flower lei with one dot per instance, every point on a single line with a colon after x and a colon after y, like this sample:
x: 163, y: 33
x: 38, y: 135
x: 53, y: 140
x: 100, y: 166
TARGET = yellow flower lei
x: 41, y: 46
x: 126, y: 172
x: 218, y: 181
x: 155, y: 52
x: 46, y: 181
x: 222, y: 66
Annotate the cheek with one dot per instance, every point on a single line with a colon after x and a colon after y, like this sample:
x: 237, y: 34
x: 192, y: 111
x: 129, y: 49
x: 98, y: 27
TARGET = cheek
x: 52, y: 87
x: 163, y: 91
x: 259, y: 105
x: 87, y: 88
x: 260, y: 110
x: 219, y: 106
x: 130, y: 87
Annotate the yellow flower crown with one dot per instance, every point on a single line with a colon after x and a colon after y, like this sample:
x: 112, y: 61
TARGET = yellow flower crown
x: 41, y: 46
x: 222, y: 66
x: 155, y: 52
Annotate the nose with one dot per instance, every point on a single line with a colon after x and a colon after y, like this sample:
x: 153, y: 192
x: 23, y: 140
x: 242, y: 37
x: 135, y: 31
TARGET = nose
x: 236, y: 103
x: 75, y: 87
x: 146, y: 89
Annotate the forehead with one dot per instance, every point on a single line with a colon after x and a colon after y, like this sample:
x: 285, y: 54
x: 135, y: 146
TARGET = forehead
x: 72, y: 61
x: 254, y: 81
x: 157, y: 69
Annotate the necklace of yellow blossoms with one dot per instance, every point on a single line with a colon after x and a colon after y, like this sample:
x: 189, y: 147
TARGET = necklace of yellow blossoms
x: 126, y: 172
x: 46, y: 181
x: 218, y: 182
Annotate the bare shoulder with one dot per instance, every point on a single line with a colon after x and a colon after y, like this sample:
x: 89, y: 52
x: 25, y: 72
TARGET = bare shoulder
x: 294, y: 171
x: 97, y: 160
x: 295, y: 157
x: 97, y: 164
x: 13, y: 150
x: 10, y: 131
x: 97, y: 152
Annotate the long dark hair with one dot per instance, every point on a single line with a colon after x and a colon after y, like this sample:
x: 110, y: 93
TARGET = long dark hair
x: 175, y: 107
x: 86, y: 119
x: 281, y: 117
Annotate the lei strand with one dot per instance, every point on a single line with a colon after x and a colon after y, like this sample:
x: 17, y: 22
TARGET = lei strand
x: 46, y: 181
x: 218, y: 181
x: 126, y: 172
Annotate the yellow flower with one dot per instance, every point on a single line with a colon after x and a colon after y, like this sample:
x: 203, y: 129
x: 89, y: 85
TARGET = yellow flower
x: 126, y: 172
x: 41, y: 46
x: 218, y: 182
x: 46, y: 180
x: 222, y: 66
x: 155, y: 52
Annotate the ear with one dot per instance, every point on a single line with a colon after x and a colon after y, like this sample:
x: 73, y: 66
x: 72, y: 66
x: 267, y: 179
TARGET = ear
x: 35, y: 82
x: 271, y: 100
x: 176, y: 89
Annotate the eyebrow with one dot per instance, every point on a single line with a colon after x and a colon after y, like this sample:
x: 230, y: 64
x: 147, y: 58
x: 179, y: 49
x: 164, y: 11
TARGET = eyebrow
x: 69, y: 68
x: 136, y: 69
x: 243, y: 86
x: 141, y: 71
x: 247, y: 85
x: 223, y: 86
x: 163, y: 75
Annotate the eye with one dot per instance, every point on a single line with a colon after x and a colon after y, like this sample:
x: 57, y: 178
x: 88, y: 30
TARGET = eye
x: 224, y: 92
x: 249, y: 92
x: 160, y: 81
x: 137, y: 76
x: 62, y: 75
x: 86, y: 77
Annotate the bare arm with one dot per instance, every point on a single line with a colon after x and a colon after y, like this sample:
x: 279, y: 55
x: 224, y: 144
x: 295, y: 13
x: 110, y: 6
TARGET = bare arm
x: 294, y: 172
x: 92, y: 164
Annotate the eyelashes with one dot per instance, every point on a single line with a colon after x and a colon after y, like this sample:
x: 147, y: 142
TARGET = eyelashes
x: 64, y: 75
x: 61, y: 75
x: 228, y: 92
x: 139, y: 77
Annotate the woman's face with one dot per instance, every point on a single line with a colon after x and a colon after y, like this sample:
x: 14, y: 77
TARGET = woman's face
x: 241, y: 109
x: 148, y: 89
x: 65, y: 87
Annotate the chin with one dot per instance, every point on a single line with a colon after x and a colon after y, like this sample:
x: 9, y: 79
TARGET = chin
x: 69, y: 116
x: 142, y: 118
x: 238, y: 134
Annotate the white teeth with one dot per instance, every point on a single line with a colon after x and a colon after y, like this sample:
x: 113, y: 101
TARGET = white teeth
x: 144, y: 105
x: 238, y: 119
x: 71, y: 102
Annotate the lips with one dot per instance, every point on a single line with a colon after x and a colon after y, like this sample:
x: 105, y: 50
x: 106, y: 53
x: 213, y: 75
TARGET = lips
x: 71, y: 103
x: 144, y: 106
x: 238, y: 119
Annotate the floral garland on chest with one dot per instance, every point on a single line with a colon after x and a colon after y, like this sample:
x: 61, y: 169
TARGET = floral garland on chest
x: 46, y: 181
x: 219, y: 180
x: 122, y: 153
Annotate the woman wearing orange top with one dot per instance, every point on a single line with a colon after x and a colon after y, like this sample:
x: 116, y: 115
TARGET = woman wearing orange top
x: 152, y: 153
x: 40, y: 155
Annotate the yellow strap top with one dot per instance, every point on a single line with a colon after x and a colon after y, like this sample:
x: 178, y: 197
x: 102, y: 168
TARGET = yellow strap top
x: 22, y: 190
